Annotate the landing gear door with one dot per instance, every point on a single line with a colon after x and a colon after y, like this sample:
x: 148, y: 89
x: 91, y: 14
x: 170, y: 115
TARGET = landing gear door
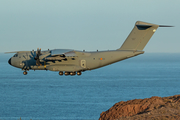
x: 83, y: 63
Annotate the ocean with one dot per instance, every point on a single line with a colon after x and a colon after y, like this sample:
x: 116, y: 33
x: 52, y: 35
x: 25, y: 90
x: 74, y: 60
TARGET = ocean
x: 44, y: 95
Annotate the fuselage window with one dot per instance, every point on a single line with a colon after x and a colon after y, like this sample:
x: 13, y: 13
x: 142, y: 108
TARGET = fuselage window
x: 15, y: 55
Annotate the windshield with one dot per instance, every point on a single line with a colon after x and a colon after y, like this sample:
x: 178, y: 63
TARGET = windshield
x: 15, y: 55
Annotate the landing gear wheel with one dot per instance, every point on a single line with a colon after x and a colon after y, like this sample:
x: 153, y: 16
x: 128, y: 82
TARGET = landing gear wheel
x: 60, y: 73
x: 67, y: 73
x: 25, y: 73
x: 73, y: 73
x: 78, y: 73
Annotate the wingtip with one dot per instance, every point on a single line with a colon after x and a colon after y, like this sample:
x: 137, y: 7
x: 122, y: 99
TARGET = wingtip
x: 8, y: 52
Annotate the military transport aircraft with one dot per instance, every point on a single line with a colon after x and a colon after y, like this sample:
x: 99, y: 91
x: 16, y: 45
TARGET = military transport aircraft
x: 72, y: 62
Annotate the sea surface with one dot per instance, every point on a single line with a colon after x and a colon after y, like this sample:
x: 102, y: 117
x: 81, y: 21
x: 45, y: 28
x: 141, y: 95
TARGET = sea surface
x: 44, y: 95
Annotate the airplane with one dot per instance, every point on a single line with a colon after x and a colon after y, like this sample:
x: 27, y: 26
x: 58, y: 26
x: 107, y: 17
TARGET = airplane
x: 72, y: 62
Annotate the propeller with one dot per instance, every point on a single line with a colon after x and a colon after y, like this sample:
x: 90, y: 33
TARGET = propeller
x: 38, y: 53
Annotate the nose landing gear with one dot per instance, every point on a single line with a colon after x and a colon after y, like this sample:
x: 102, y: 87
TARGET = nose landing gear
x: 25, y: 72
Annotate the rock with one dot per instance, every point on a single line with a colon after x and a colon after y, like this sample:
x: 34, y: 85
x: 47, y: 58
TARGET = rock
x: 150, y: 108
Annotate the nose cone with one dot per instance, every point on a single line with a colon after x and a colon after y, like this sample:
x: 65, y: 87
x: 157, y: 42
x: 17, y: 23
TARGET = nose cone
x: 9, y: 61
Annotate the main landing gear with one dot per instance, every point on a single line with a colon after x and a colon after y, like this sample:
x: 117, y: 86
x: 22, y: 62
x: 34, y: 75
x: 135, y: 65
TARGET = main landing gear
x: 79, y: 73
x: 69, y: 73
x: 61, y: 73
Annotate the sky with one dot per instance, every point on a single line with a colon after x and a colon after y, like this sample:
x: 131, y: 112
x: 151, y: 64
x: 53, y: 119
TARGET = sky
x: 89, y: 25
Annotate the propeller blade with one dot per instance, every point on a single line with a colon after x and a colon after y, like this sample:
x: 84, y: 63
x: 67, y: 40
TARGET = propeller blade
x: 38, y: 53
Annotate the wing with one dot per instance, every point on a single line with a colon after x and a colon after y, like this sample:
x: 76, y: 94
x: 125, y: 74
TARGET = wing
x: 58, y: 54
x: 16, y: 52
x: 63, y: 52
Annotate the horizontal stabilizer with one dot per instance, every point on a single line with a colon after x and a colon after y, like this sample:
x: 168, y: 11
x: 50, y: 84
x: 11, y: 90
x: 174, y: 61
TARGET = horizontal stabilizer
x: 165, y: 26
x: 143, y: 27
x: 148, y: 26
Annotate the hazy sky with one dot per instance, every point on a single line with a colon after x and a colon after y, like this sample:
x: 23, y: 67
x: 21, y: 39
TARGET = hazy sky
x: 85, y: 24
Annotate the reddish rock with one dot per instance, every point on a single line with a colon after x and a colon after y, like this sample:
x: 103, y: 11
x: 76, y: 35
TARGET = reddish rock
x: 149, y: 108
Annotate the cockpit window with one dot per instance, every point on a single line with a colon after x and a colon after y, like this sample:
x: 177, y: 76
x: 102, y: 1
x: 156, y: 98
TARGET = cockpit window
x: 15, y: 55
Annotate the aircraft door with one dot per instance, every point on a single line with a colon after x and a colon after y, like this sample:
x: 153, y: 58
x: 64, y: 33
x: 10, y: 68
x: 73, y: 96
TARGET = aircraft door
x: 83, y: 63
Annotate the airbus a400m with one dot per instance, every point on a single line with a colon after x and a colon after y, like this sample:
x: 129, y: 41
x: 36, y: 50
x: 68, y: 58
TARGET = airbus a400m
x: 72, y: 62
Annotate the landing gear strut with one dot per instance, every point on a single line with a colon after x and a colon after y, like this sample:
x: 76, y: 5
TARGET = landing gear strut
x: 25, y: 73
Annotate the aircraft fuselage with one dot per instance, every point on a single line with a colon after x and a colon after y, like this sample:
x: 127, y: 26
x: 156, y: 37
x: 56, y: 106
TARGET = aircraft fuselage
x: 82, y: 62
x: 71, y: 62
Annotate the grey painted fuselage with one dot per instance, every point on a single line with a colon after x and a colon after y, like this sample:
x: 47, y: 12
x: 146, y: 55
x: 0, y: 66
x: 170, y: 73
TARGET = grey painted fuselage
x: 83, y: 61
x: 71, y: 62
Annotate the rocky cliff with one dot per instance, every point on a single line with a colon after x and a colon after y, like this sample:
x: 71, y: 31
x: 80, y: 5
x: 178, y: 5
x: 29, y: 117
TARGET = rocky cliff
x: 156, y: 108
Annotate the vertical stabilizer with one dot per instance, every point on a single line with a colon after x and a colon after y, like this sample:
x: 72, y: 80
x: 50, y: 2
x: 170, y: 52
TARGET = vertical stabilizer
x: 139, y: 36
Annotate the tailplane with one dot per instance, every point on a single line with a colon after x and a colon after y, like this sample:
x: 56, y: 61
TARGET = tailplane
x: 139, y: 36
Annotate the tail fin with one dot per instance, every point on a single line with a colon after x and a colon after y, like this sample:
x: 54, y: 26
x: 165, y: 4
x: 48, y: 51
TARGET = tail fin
x: 139, y: 36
